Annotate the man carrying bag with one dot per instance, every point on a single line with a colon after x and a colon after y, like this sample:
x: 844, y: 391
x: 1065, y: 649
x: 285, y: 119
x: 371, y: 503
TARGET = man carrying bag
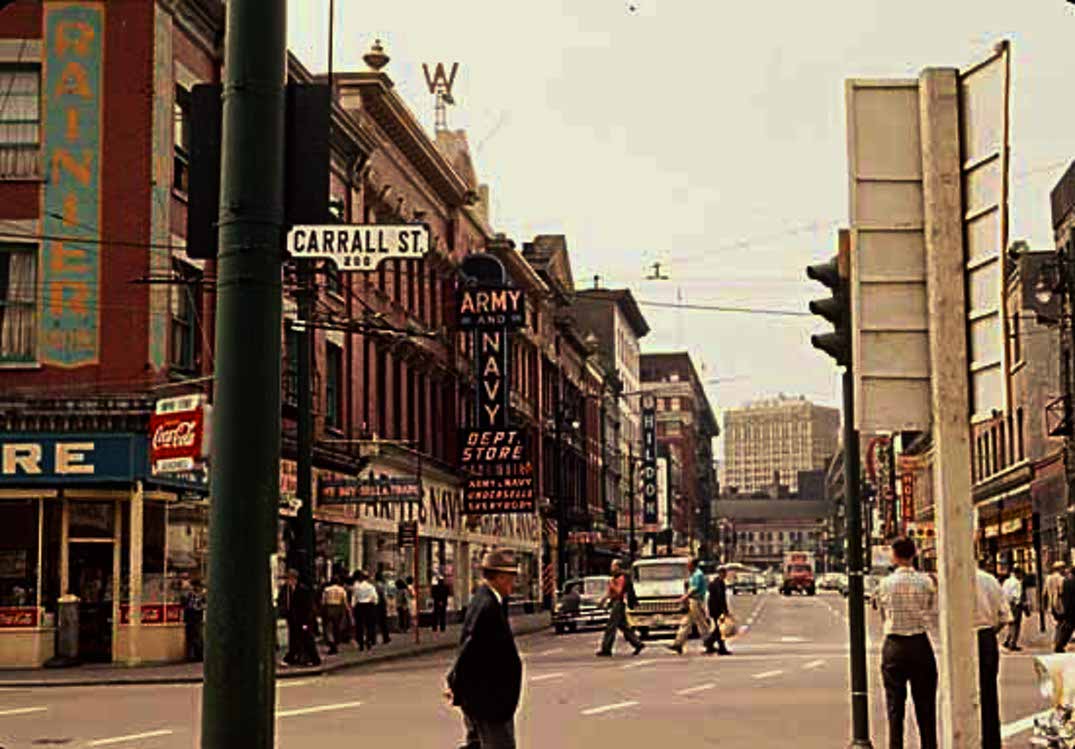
x: 620, y: 592
x: 719, y: 613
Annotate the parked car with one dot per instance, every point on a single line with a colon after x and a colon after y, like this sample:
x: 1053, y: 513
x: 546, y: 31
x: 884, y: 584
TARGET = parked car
x: 577, y: 605
x: 746, y: 582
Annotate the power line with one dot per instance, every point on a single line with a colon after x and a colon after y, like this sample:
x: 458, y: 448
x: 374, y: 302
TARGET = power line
x: 720, y: 308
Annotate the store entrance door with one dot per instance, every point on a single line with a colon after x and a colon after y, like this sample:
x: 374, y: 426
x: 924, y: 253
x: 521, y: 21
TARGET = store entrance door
x: 91, y: 580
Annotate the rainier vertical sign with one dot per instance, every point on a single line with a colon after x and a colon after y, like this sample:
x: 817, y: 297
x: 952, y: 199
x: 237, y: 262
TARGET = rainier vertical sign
x: 650, y: 510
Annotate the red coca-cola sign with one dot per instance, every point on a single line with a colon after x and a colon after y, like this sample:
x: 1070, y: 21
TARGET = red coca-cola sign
x: 177, y: 435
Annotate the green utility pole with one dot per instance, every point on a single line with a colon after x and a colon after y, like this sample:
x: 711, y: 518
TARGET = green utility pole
x: 239, y: 692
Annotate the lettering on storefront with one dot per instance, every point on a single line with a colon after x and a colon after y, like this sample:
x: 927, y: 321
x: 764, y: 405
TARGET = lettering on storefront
x: 73, y: 102
x: 491, y: 308
x: 39, y: 458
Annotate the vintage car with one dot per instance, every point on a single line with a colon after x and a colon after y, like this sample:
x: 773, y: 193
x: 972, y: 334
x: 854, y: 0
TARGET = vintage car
x: 577, y: 607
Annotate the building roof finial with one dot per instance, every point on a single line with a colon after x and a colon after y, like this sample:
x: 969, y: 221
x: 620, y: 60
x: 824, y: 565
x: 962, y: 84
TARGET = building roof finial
x: 376, y: 58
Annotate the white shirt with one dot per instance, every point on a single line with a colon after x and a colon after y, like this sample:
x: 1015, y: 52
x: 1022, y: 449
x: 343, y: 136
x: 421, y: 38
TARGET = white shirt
x: 499, y: 598
x: 991, y: 610
x: 364, y: 592
x: 1013, y: 589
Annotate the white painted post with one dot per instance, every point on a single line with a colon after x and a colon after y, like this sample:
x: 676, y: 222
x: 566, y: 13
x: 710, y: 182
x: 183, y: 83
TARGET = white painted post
x: 949, y: 385
x: 134, y: 626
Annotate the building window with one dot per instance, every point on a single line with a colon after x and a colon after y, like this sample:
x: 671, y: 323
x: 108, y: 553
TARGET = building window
x: 291, y: 365
x: 186, y: 295
x: 20, y: 121
x: 1019, y: 431
x: 333, y: 379
x: 181, y: 136
x: 18, y: 302
x: 1017, y: 339
x: 333, y: 284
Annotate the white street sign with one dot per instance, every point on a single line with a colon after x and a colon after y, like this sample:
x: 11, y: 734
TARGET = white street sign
x: 358, y: 247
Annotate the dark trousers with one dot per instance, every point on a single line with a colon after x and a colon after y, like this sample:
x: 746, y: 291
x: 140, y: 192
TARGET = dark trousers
x: 365, y: 625
x: 192, y: 622
x: 617, y: 621
x: 988, y: 673
x: 1016, y: 625
x: 715, y: 637
x: 382, y: 620
x: 301, y: 646
x: 1064, y: 630
x: 403, y: 616
x: 903, y: 660
x: 440, y: 616
x: 484, y: 734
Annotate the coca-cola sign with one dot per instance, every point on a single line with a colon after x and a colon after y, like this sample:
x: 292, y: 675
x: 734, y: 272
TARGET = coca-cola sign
x: 176, y: 439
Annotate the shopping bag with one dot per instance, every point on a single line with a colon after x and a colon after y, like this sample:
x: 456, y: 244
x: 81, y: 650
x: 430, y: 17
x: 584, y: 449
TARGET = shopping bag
x: 728, y: 626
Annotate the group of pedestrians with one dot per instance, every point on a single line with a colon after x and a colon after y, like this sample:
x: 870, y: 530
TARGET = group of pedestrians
x: 908, y: 604
x: 1060, y: 601
x: 705, y: 619
x: 352, y: 608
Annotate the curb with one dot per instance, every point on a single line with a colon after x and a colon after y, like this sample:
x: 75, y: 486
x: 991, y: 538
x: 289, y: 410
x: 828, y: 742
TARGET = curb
x: 136, y: 680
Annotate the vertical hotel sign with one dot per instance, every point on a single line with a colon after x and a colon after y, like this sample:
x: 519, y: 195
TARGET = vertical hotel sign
x: 72, y: 104
x: 650, y: 510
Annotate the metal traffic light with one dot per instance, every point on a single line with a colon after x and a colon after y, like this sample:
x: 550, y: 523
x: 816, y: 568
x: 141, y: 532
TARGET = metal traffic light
x: 836, y: 309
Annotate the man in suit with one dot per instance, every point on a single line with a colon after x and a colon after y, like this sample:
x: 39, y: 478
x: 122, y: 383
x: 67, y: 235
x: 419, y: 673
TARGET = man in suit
x: 718, y: 607
x: 297, y: 607
x: 486, y: 680
x: 440, y: 593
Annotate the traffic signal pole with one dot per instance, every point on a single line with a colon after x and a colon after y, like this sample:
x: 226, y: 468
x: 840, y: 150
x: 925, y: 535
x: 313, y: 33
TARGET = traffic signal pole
x: 239, y: 692
x: 836, y: 309
x: 856, y: 598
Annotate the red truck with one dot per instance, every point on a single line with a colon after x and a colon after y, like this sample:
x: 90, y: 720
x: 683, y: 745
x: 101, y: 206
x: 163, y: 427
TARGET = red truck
x: 798, y: 573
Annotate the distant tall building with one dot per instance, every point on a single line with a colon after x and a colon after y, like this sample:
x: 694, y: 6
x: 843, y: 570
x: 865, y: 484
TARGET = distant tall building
x: 778, y: 435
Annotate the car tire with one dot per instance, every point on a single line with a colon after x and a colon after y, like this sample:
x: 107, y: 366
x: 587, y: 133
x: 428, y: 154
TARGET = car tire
x: 573, y: 627
x: 559, y: 628
x: 643, y: 632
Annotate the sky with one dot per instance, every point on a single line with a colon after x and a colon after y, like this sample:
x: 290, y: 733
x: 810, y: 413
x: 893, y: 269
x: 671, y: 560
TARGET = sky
x: 708, y: 136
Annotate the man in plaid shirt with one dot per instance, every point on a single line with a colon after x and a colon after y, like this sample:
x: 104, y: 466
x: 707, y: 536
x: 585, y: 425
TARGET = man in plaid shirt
x: 908, y: 600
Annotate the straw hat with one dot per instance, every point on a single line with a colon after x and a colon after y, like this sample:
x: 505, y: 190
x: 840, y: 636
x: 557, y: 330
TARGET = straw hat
x: 500, y: 560
x: 1059, y: 565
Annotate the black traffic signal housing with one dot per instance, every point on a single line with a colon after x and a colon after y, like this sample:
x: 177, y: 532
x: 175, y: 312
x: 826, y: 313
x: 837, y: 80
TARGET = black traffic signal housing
x: 836, y: 309
x: 306, y: 166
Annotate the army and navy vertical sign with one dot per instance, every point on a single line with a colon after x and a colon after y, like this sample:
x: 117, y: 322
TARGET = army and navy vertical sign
x: 650, y: 510
x: 495, y: 456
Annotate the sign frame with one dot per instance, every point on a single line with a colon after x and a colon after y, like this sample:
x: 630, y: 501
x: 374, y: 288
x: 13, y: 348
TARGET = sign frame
x: 359, y: 247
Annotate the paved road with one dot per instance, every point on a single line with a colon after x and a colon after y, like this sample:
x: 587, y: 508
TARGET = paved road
x: 787, y: 677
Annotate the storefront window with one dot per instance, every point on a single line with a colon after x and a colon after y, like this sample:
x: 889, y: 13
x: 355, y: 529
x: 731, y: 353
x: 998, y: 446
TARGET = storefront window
x: 18, y: 552
x: 91, y: 519
x: 333, y: 555
x: 187, y: 544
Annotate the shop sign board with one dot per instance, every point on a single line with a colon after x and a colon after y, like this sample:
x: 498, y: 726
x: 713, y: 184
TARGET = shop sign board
x: 650, y: 510
x: 407, y: 534
x: 355, y: 247
x: 491, y: 307
x: 177, y: 441
x: 348, y: 490
x: 39, y: 458
x: 12, y: 617
x: 500, y: 472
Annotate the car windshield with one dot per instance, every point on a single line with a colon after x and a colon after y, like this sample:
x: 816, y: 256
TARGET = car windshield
x: 655, y: 572
x: 799, y: 568
x: 594, y: 586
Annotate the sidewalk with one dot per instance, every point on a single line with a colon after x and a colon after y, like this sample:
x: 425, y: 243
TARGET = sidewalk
x: 402, y: 645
